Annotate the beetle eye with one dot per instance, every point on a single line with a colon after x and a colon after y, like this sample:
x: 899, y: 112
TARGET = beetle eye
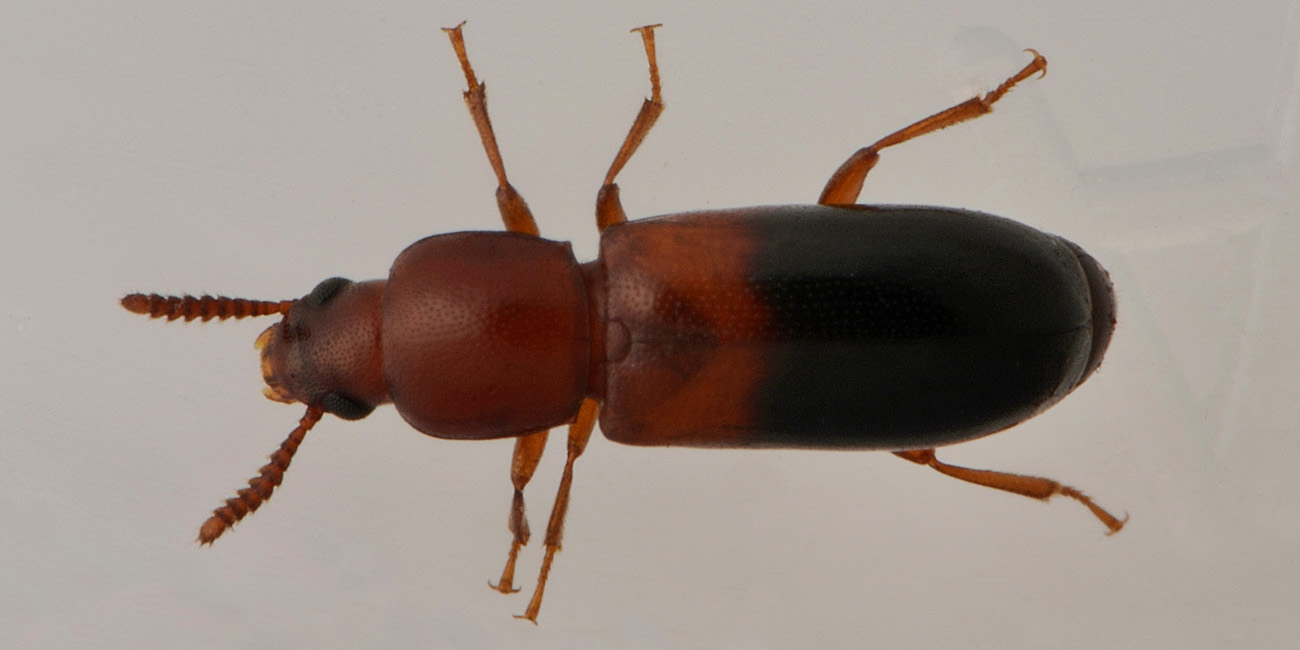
x: 345, y: 407
x: 326, y: 290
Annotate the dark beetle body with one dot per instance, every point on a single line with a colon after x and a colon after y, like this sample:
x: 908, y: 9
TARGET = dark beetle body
x: 789, y: 326
x: 862, y: 327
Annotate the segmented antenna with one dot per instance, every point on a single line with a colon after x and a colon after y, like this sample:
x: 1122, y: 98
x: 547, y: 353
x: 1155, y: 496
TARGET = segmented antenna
x: 203, y: 307
x: 259, y: 487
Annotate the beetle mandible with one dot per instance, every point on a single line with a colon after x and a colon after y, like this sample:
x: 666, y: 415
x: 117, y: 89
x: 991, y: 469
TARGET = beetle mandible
x: 827, y: 326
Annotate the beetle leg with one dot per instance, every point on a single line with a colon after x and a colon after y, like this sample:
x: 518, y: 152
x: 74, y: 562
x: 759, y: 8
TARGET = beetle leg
x: 846, y: 183
x: 609, y: 210
x: 1030, y: 486
x: 528, y: 452
x: 514, y: 211
x: 579, y: 434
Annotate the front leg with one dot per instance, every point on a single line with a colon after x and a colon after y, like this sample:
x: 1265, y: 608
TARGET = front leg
x: 528, y: 453
x: 514, y: 211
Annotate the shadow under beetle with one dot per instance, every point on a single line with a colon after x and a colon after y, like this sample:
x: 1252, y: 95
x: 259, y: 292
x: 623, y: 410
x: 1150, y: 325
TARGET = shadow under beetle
x: 828, y: 326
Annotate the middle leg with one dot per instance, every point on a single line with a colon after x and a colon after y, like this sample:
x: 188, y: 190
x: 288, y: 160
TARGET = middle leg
x: 579, y: 434
x: 609, y: 210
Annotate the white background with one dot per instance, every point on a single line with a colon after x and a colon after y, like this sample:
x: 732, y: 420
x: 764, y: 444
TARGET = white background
x: 255, y: 148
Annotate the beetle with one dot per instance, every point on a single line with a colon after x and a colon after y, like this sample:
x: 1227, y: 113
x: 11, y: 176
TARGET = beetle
x: 827, y: 326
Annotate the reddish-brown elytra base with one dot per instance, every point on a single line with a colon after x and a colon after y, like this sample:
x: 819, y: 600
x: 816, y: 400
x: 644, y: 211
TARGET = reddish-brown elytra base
x: 837, y: 326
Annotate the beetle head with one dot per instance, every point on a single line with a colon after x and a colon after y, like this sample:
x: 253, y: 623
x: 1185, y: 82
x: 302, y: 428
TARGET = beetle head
x: 325, y: 351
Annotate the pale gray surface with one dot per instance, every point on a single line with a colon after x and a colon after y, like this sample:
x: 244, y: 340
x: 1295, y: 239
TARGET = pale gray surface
x: 254, y: 148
